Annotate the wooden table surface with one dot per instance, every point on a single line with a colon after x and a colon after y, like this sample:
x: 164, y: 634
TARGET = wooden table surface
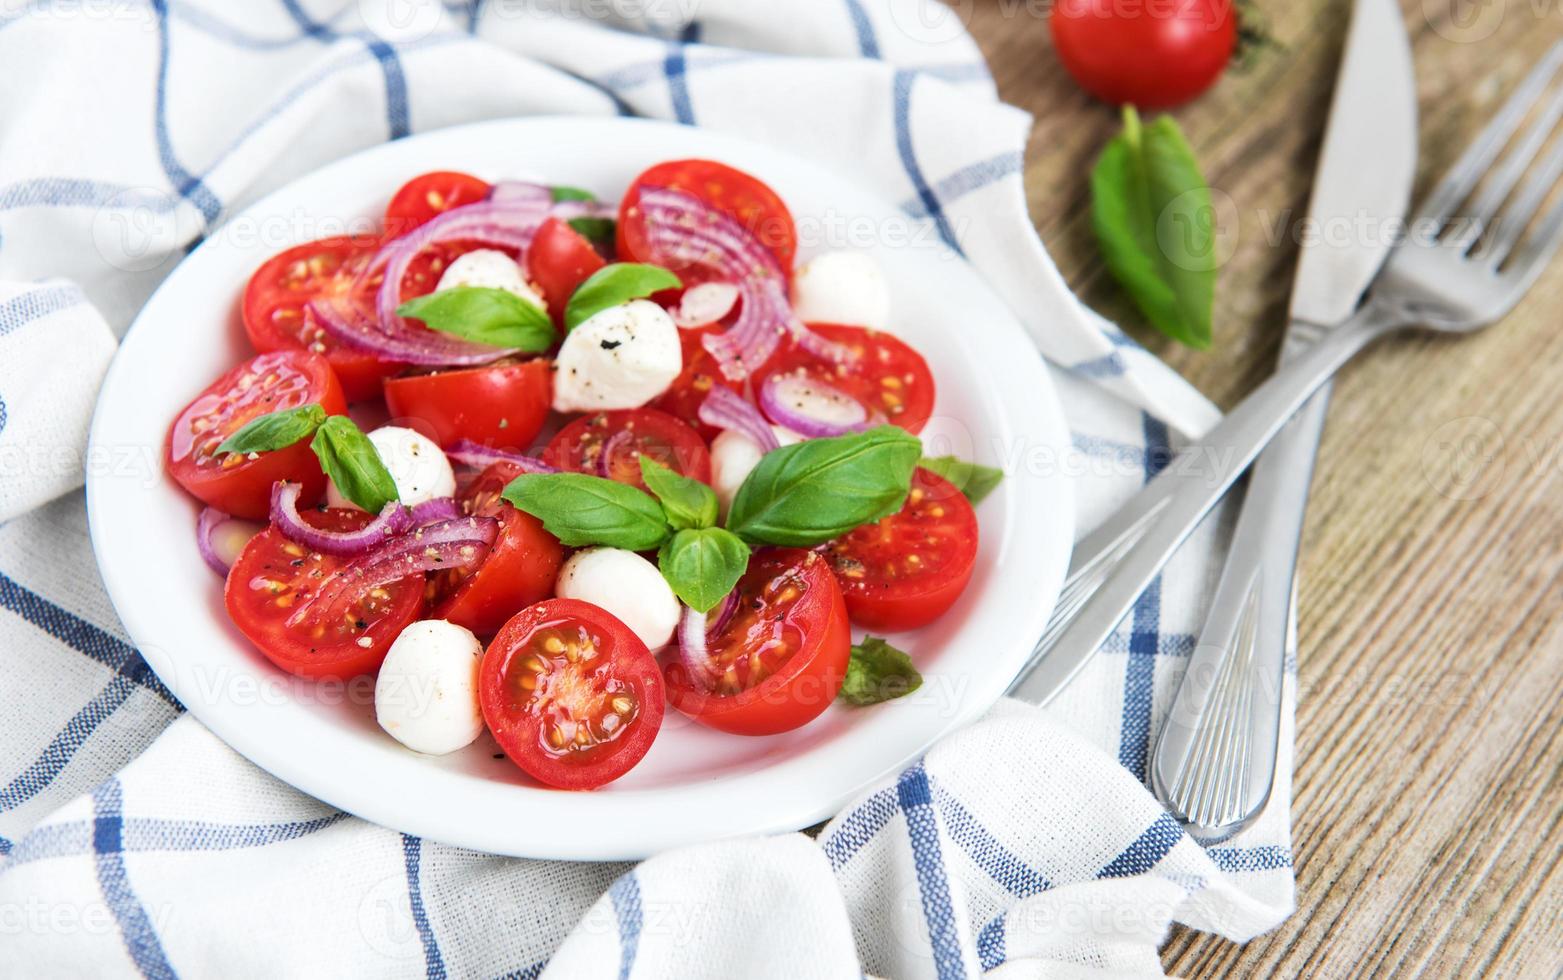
x: 1428, y: 794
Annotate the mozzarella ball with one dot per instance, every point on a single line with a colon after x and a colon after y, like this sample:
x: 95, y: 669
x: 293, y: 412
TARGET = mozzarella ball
x: 491, y: 268
x: 626, y: 585
x: 734, y: 455
x: 421, y: 472
x: 621, y: 357
x: 842, y: 287
x: 426, y: 696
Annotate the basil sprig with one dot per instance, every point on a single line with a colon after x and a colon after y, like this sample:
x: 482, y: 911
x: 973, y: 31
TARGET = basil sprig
x: 564, y: 192
x: 972, y: 479
x: 275, y: 430
x: 878, y: 672
x: 688, y: 503
x: 353, y: 464
x: 812, y: 491
x: 484, y: 315
x: 615, y: 284
x: 1153, y: 218
x: 583, y: 510
x: 598, y: 231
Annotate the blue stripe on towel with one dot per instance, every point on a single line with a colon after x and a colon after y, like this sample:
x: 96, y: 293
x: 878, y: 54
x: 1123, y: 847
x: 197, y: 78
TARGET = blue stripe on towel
x: 867, y: 40
x: 625, y: 896
x: 1148, y: 849
x: 141, y: 941
x: 933, y: 885
x: 914, y: 171
x: 412, y: 860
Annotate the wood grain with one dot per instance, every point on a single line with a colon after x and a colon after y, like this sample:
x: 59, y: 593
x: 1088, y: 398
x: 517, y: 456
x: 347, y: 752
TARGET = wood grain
x: 1428, y: 804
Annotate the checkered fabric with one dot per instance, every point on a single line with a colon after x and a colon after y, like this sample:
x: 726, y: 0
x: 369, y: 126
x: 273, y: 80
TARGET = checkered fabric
x: 133, y: 841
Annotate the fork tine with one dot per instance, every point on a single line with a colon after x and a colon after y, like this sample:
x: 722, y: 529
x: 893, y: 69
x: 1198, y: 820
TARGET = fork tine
x: 1532, y: 258
x: 1484, y: 208
x: 1517, y: 216
x: 1473, y: 163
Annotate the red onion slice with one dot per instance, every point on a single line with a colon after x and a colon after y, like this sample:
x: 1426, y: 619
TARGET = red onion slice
x: 570, y: 210
x: 392, y: 521
x: 811, y: 407
x: 469, y: 453
x: 705, y: 303
x: 726, y: 409
x: 343, y: 321
x: 520, y: 192
x: 694, y: 630
x: 605, y: 455
x: 220, y: 537
x: 822, y: 347
x: 460, y: 544
x: 510, y: 223
x: 433, y: 511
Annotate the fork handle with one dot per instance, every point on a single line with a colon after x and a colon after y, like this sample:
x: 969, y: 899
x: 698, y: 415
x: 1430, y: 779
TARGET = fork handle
x: 1214, y: 763
x: 1116, y: 562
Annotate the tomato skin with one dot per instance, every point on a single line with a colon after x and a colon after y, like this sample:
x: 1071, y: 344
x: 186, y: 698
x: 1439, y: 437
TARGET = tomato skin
x: 742, y: 196
x: 806, y: 683
x: 1130, y: 54
x: 888, y: 376
x: 243, y: 488
x: 882, y: 592
x: 520, y: 569
x: 623, y: 665
x: 503, y: 405
x: 431, y: 194
x: 270, y: 557
x: 577, y: 447
x: 559, y: 260
x: 273, y: 306
x: 701, y: 373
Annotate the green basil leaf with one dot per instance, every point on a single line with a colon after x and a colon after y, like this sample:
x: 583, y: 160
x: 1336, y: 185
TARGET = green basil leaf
x: 583, y: 510
x: 275, y: 430
x: 807, y: 493
x: 688, y: 503
x: 353, y: 464
x: 485, y: 316
x: 615, y: 284
x: 703, y: 564
x: 1155, y: 225
x: 878, y: 672
x: 598, y: 231
x: 972, y: 479
x: 565, y: 193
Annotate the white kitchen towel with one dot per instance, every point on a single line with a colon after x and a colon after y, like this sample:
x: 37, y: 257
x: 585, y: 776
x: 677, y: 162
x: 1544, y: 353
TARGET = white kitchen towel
x: 132, y: 840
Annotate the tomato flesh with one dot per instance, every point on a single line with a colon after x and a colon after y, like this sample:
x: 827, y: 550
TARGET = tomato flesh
x: 520, y: 568
x: 781, y: 658
x: 274, y: 580
x: 332, y: 268
x: 559, y: 260
x: 236, y: 482
x: 741, y: 196
x: 1133, y: 54
x: 624, y: 436
x: 431, y: 194
x: 907, y: 570
x: 886, y: 375
x: 701, y: 373
x: 501, y: 405
x: 571, y: 694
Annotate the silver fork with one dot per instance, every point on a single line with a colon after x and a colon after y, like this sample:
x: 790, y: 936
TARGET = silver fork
x: 1455, y: 274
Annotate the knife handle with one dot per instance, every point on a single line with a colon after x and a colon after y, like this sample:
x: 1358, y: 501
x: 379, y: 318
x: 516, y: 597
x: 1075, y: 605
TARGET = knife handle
x: 1214, y: 764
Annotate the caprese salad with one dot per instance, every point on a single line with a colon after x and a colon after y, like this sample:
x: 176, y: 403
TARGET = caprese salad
x: 635, y: 460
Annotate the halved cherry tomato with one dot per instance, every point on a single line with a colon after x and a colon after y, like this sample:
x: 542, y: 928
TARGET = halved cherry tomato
x: 274, y: 578
x: 890, y: 378
x: 571, y: 694
x: 274, y: 299
x: 559, y: 260
x: 500, y: 405
x: 744, y: 197
x: 431, y: 194
x: 626, y: 435
x: 781, y: 658
x: 520, y: 568
x: 235, y: 482
x: 701, y: 373
x: 908, y: 569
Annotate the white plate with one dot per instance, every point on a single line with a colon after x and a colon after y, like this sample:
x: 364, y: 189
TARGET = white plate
x: 995, y: 401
